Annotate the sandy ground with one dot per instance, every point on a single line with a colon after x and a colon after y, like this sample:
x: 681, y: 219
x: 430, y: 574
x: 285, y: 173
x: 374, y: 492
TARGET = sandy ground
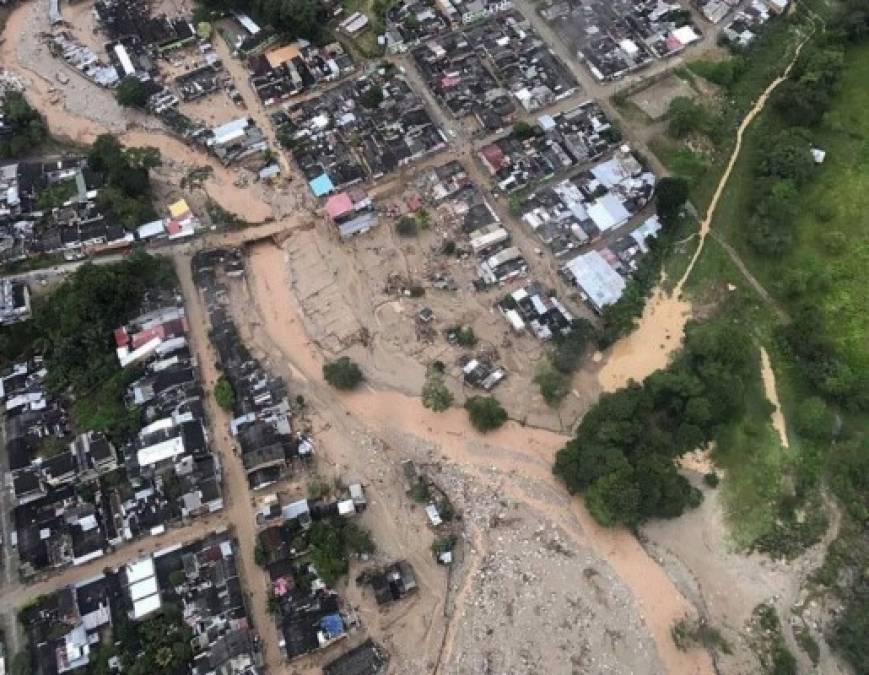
x: 655, y: 100
x: 728, y: 585
x: 515, y: 463
x: 769, y: 388
x: 340, y: 288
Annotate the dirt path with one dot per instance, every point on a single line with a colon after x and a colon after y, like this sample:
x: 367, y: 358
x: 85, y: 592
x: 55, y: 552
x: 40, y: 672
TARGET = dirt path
x: 22, y: 55
x: 18, y: 594
x: 239, y: 504
x: 659, y: 333
x: 514, y: 450
x: 769, y: 388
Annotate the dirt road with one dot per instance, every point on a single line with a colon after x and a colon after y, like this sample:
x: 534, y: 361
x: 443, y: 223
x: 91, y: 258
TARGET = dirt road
x: 17, y: 594
x: 659, y: 333
x: 239, y: 509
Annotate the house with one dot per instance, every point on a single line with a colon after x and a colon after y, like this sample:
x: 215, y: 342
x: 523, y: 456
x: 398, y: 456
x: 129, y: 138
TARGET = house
x: 392, y: 582
x: 369, y: 658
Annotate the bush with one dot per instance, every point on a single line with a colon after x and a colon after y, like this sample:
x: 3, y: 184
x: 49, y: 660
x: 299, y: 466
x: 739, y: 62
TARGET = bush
x: 685, y: 117
x: 435, y: 394
x: 131, y: 92
x: 670, y: 196
x: 224, y: 394
x: 711, y: 479
x: 553, y: 386
x: 485, y: 413
x: 813, y: 419
x: 465, y: 336
x: 342, y: 373
x: 406, y: 226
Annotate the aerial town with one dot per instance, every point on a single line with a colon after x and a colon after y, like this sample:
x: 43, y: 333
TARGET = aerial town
x: 359, y: 337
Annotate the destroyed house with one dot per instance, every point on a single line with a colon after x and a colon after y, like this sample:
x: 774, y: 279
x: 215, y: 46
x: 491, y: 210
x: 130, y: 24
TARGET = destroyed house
x: 132, y: 18
x: 309, y: 621
x: 369, y: 658
x: 537, y: 309
x: 392, y: 582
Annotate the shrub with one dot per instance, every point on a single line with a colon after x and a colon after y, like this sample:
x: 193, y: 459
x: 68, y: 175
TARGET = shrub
x: 553, y: 386
x: 342, y: 373
x: 465, y: 336
x: 224, y: 394
x: 435, y: 394
x: 485, y: 413
x: 711, y: 479
x: 131, y: 92
x: 406, y: 226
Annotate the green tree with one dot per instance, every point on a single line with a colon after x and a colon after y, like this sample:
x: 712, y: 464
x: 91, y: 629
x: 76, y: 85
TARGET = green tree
x: 813, y: 419
x: 435, y: 394
x: 786, y: 154
x: 465, y: 336
x: 670, y: 196
x: 406, y: 226
x: 685, y: 117
x: 614, y: 499
x: 371, y: 97
x: 342, y: 373
x: 568, y: 349
x: 523, y: 130
x: 224, y: 394
x: 485, y: 413
x: 553, y: 385
x: 27, y: 128
x: 132, y: 93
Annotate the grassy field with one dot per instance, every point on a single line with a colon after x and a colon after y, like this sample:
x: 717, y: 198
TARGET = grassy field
x: 832, y: 237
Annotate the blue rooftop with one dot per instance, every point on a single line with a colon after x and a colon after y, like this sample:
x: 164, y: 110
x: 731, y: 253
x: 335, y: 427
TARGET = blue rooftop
x: 332, y: 624
x: 321, y: 185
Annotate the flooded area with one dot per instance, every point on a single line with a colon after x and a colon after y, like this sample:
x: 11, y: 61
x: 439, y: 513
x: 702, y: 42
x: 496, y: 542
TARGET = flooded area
x: 79, y: 111
x: 517, y: 453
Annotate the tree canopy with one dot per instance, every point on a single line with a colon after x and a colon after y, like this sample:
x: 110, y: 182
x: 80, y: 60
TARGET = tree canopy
x: 26, y: 124
x: 127, y: 189
x: 485, y: 413
x: 132, y: 93
x: 623, y: 451
x: 342, y: 373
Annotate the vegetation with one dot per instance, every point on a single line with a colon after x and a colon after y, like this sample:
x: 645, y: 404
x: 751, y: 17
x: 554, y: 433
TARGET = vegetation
x: 306, y: 19
x: 465, y: 336
x: 686, y: 117
x: 332, y: 542
x: 132, y: 93
x: 406, y: 226
x: 554, y: 385
x: 688, y: 633
x: 623, y: 453
x: 127, y: 189
x: 523, y: 130
x: 485, y: 413
x: 568, y: 350
x: 435, y: 394
x: 342, y: 373
x: 56, y: 195
x: 157, y: 645
x: 28, y: 128
x: 224, y: 394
